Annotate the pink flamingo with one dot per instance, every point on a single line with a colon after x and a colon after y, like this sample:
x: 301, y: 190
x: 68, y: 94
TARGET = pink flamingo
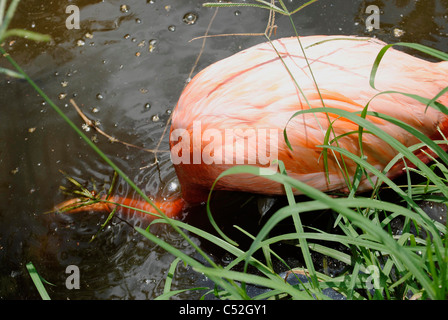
x: 261, y: 88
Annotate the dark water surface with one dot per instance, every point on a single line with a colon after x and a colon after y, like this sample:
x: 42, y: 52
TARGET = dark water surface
x: 108, y: 68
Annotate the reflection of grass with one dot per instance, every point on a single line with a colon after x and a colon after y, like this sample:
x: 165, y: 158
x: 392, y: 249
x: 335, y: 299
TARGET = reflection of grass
x: 409, y: 264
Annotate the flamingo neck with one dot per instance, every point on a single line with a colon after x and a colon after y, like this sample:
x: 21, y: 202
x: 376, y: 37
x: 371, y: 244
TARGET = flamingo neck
x: 172, y: 207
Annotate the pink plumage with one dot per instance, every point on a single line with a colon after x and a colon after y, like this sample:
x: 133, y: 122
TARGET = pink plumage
x: 261, y: 88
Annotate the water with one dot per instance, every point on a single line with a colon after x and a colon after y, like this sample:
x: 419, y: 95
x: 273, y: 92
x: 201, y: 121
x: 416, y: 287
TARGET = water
x: 126, y: 68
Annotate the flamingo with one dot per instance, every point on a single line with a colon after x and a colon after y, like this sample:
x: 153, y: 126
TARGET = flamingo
x: 258, y: 90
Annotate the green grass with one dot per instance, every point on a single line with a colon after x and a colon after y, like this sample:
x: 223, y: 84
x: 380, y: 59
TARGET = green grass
x: 38, y: 281
x: 408, y: 265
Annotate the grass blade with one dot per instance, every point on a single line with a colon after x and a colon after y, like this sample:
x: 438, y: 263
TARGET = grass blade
x: 37, y: 281
x: 430, y: 51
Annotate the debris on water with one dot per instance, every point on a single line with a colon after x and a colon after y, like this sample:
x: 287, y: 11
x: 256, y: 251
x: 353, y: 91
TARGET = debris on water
x: 64, y: 84
x: 190, y: 18
x: 168, y: 8
x: 124, y: 8
x: 237, y: 12
x: 80, y: 43
x: 95, y: 110
x: 141, y: 44
x: 88, y: 35
x: 94, y: 138
x: 155, y: 118
x: 85, y: 127
x: 398, y: 32
x: 152, y: 45
x: 62, y: 96
x: 15, y: 170
x: 99, y: 96
x: 127, y: 36
x: 172, y: 28
x: 147, y: 106
x: 31, y: 130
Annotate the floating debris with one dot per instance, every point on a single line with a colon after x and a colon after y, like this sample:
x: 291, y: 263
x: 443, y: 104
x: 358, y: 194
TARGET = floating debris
x: 64, y: 84
x: 147, y: 106
x: 31, y: 130
x: 190, y: 18
x: 155, y: 118
x: 99, y: 96
x: 124, y: 8
x: 85, y: 127
x: 152, y: 45
x: 62, y: 96
x: 398, y: 32
x: 95, y: 109
x: 172, y: 28
x: 80, y: 43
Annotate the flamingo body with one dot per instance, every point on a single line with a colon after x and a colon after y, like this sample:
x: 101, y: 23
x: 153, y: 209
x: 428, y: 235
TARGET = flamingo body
x: 259, y: 88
